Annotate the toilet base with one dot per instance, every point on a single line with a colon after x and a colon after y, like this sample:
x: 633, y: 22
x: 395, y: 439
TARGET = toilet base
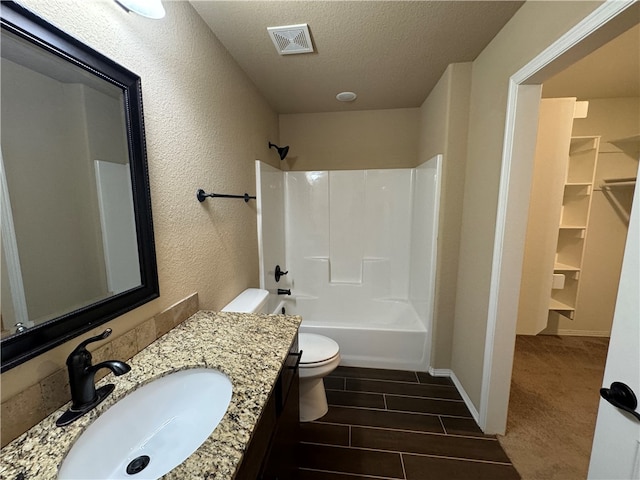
x: 313, y: 399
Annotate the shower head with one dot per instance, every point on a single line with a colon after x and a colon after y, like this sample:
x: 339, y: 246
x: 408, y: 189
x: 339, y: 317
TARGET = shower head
x: 282, y: 151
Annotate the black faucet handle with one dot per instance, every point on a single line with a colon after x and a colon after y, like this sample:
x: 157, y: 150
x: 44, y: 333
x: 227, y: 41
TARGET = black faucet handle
x: 279, y: 273
x: 97, y: 338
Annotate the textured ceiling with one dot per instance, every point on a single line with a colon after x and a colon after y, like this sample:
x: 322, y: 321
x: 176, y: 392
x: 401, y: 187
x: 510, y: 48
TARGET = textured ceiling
x: 611, y: 71
x: 390, y: 53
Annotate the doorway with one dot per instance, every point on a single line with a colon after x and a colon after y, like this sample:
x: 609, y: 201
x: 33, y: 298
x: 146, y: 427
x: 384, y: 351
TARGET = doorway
x: 608, y: 21
x: 560, y: 357
x: 578, y: 220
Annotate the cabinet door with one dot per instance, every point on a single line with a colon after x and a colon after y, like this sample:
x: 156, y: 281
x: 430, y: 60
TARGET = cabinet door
x: 253, y: 461
x: 283, y: 458
x: 272, y: 453
x: 549, y: 174
x: 282, y: 463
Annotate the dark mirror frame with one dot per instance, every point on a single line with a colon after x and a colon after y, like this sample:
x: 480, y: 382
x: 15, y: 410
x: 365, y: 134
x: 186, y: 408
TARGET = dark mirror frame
x: 21, y: 347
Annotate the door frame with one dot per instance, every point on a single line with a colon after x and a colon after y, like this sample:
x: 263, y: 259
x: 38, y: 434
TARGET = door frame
x: 602, y: 25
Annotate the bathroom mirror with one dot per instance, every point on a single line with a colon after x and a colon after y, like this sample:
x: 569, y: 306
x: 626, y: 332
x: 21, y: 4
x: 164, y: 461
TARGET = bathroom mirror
x: 77, y: 233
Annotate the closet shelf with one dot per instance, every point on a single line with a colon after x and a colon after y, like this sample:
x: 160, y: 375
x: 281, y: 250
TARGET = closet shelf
x: 572, y: 227
x: 556, y: 305
x: 563, y: 267
x: 582, y: 144
x: 574, y: 215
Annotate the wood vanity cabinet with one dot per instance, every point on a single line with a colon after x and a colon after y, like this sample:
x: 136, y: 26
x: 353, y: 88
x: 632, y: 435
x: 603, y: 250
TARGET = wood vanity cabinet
x: 273, y: 448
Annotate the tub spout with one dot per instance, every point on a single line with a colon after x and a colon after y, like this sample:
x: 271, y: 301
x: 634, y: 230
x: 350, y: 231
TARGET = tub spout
x: 282, y: 291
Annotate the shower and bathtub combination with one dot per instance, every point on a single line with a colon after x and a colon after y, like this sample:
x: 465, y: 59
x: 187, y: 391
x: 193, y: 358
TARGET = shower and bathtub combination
x: 359, y: 247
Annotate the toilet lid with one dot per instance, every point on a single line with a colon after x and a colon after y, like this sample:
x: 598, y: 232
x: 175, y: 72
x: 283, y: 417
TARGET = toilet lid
x: 316, y: 348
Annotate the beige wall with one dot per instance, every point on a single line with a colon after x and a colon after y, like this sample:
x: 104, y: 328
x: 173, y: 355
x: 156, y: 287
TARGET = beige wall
x: 351, y: 140
x: 612, y: 118
x: 106, y: 127
x: 205, y: 125
x: 444, y: 117
x: 535, y: 26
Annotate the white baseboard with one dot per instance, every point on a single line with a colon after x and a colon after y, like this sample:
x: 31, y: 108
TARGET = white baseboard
x: 447, y: 372
x: 440, y: 372
x: 581, y: 333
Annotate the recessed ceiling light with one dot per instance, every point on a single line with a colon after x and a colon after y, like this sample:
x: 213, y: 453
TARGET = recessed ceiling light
x: 346, y: 97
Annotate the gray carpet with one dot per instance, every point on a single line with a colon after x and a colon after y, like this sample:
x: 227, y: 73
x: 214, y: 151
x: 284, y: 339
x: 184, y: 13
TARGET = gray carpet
x: 553, y: 405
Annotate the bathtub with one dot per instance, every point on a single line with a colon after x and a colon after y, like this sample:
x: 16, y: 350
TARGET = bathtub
x: 375, y: 334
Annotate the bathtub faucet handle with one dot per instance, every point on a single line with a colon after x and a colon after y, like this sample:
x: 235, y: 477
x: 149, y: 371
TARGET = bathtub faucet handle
x: 282, y: 291
x: 280, y: 273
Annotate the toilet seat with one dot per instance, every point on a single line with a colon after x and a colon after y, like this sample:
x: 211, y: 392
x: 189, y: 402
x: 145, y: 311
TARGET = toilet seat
x: 319, y: 364
x: 317, y: 350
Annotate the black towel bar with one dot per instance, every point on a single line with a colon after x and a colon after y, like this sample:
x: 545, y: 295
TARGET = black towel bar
x: 201, y: 195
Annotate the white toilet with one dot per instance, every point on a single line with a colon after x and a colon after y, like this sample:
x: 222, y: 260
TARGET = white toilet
x: 320, y: 356
x: 252, y: 300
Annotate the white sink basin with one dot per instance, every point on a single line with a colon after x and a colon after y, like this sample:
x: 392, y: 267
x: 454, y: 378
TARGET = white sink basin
x: 165, y: 420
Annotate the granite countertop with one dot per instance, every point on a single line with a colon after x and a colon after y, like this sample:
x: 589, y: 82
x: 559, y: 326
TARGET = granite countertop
x: 249, y: 349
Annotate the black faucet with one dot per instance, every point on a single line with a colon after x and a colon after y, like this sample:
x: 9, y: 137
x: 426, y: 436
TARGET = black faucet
x: 84, y: 395
x: 282, y: 291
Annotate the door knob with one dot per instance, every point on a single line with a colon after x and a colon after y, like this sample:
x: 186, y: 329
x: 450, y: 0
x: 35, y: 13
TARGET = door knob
x: 621, y: 396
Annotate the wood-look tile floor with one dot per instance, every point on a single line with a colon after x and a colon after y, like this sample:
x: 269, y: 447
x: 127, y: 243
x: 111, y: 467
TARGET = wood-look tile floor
x: 392, y: 424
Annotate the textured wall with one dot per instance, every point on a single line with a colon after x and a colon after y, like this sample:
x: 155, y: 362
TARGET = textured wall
x: 205, y: 125
x: 351, y: 140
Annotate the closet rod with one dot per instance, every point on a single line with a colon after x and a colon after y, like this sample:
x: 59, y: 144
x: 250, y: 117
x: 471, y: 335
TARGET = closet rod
x: 618, y: 182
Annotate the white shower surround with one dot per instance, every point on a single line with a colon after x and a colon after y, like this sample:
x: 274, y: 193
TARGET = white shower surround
x: 360, y: 247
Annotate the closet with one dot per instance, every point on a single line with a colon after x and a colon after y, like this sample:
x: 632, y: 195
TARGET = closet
x: 582, y: 188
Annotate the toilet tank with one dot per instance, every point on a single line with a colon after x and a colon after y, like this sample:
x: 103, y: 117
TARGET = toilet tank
x: 252, y: 300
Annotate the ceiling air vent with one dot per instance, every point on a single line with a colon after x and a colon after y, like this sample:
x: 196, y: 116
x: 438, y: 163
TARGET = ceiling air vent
x: 291, y: 39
